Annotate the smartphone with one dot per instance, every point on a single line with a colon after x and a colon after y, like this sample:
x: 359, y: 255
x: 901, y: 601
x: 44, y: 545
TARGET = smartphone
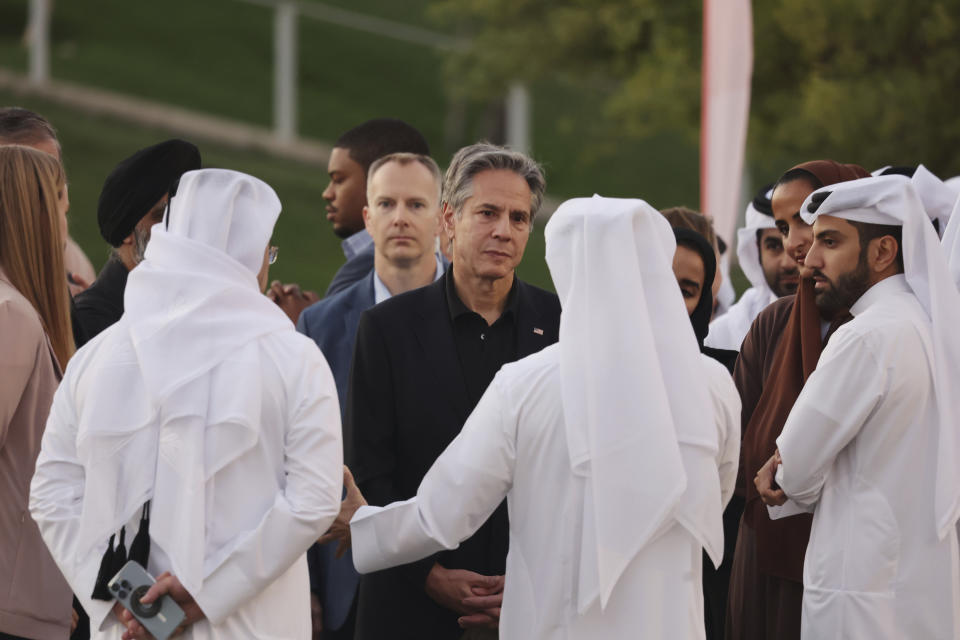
x: 161, y: 617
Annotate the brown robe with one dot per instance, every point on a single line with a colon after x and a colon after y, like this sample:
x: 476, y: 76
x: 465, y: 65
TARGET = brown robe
x: 760, y: 605
x: 34, y: 597
x: 778, y: 355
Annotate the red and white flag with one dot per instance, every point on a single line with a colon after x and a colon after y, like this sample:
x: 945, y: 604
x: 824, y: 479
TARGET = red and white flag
x: 725, y: 109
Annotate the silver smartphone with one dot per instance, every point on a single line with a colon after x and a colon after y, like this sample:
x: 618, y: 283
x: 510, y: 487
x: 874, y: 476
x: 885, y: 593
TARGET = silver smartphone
x: 161, y: 617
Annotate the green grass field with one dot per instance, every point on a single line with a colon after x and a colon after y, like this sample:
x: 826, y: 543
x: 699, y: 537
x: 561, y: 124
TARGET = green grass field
x: 220, y: 61
x: 309, y: 252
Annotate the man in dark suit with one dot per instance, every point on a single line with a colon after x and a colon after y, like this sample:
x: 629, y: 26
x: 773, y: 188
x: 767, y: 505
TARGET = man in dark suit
x: 346, y: 194
x: 421, y: 362
x: 403, y: 218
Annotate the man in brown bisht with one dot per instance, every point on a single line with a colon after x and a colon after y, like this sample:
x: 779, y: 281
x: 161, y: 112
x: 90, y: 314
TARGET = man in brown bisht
x: 779, y: 353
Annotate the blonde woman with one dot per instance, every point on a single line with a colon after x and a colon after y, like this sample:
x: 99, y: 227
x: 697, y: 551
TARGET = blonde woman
x: 35, y: 344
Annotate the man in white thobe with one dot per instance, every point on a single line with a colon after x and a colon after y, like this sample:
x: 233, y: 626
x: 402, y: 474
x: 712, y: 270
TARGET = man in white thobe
x: 203, y: 405
x: 616, y: 450
x: 772, y: 273
x: 871, y: 445
x: 951, y: 244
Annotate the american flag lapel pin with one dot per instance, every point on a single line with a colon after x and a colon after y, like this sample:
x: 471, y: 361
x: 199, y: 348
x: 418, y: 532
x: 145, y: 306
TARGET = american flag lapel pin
x: 538, y: 331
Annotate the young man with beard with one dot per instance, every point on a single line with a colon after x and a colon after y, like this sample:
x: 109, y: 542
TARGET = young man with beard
x: 777, y: 355
x: 870, y: 445
x: 771, y: 270
x: 133, y: 199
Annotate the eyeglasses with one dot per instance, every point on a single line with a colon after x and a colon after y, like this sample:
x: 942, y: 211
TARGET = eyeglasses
x: 272, y: 255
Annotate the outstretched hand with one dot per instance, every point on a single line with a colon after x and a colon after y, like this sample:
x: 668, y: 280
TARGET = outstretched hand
x: 770, y: 493
x: 340, y: 529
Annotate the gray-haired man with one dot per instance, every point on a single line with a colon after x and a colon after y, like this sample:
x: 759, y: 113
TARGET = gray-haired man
x: 421, y: 363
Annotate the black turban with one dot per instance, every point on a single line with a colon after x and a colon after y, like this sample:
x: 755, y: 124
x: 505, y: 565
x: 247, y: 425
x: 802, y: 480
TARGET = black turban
x: 138, y: 183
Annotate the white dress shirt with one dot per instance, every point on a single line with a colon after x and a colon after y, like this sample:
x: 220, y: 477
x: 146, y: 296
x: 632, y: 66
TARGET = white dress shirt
x: 381, y: 292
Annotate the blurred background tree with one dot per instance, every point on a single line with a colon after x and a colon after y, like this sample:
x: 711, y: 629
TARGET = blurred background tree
x: 615, y: 87
x: 868, y: 81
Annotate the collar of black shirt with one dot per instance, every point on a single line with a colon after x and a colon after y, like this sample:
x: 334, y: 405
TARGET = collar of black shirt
x: 457, y: 308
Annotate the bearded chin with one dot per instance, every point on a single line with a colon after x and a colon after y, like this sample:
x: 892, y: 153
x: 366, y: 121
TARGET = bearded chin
x: 842, y: 295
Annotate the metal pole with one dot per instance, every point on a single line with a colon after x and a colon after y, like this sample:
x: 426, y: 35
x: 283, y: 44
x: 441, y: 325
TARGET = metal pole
x: 518, y: 118
x: 38, y: 32
x: 285, y: 71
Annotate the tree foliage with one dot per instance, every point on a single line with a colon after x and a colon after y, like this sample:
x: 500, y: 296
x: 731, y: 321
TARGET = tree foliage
x: 868, y: 81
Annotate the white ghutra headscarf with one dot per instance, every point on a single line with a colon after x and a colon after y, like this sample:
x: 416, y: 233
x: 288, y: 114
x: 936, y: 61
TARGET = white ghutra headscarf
x: 727, y: 331
x: 748, y: 253
x: 173, y: 392
x: 639, y: 420
x: 951, y: 244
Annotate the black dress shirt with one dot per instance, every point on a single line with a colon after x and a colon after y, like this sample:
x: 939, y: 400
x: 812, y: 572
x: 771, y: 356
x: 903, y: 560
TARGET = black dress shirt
x: 419, y: 367
x: 482, y: 348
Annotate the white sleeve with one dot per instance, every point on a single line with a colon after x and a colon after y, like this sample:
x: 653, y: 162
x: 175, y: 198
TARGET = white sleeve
x: 56, y: 500
x: 726, y: 404
x: 725, y: 329
x: 460, y: 491
x: 831, y: 409
x: 301, y: 512
x: 787, y: 509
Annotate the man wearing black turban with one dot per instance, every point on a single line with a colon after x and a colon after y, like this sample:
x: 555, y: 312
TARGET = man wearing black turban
x: 133, y: 199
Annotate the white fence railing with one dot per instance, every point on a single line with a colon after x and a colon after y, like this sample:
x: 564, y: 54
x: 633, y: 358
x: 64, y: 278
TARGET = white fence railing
x: 286, y: 16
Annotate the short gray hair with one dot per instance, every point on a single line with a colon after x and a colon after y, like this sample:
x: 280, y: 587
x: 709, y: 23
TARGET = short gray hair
x: 403, y: 159
x: 483, y: 156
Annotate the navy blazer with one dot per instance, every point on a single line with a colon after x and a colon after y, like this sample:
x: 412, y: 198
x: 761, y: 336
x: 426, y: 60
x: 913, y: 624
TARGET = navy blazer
x: 351, y: 271
x: 332, y: 323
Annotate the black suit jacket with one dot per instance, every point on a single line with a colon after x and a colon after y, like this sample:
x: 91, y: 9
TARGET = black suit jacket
x: 101, y: 305
x: 407, y: 401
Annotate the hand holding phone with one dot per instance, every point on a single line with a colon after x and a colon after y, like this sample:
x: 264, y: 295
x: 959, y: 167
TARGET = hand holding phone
x: 161, y: 617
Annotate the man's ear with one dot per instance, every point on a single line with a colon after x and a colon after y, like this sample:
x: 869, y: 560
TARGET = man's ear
x: 128, y: 241
x: 440, y: 225
x: 366, y: 217
x: 447, y: 220
x: 883, y: 253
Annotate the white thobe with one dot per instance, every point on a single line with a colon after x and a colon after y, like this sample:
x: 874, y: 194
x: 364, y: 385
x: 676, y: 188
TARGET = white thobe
x: 729, y: 330
x: 270, y: 504
x: 859, y: 447
x: 514, y: 445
